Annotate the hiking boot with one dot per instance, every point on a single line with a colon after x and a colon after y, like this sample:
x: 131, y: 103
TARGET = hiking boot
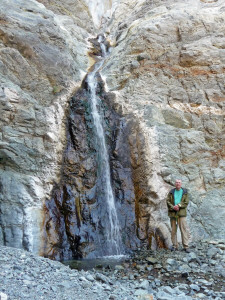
x: 172, y: 248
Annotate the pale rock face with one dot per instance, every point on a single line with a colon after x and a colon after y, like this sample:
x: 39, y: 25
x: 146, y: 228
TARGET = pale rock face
x: 166, y: 69
x: 42, y: 58
x: 101, y: 10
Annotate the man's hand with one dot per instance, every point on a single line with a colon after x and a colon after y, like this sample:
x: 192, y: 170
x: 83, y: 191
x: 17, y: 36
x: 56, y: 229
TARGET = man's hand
x: 176, y: 208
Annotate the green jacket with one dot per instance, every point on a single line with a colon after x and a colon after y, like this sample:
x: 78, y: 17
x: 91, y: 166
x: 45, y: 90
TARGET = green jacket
x: 183, y: 204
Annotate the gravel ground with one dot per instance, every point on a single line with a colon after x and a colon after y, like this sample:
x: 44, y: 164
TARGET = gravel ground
x: 148, y: 275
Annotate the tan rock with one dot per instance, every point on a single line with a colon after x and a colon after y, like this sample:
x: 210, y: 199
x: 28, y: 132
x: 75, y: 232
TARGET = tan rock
x: 166, y: 69
x: 177, y: 91
x: 43, y: 57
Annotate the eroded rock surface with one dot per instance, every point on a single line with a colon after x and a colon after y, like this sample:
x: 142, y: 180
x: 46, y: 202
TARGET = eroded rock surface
x: 77, y: 214
x: 42, y: 58
x: 166, y: 69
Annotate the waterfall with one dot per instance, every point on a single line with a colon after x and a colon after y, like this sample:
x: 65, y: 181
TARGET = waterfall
x: 87, y: 216
x: 112, y: 227
x: 101, y: 9
x: 103, y: 48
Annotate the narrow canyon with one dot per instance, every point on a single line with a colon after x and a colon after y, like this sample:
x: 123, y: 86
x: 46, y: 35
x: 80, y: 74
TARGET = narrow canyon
x: 103, y: 105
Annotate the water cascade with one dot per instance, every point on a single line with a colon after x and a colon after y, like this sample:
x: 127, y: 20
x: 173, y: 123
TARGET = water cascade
x: 112, y: 227
x: 92, y: 209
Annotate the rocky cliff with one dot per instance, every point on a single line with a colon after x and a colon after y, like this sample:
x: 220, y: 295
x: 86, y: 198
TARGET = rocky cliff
x: 167, y: 69
x: 164, y: 80
x: 43, y: 59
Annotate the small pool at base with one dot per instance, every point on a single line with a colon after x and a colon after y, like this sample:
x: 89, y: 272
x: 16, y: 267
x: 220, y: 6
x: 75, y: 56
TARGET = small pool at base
x: 108, y: 262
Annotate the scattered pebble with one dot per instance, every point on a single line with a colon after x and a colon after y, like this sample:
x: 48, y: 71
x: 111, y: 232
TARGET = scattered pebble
x: 158, y: 275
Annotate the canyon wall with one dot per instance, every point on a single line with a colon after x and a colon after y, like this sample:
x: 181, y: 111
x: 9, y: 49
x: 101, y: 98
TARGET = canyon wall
x: 43, y: 60
x: 166, y: 72
x: 167, y: 69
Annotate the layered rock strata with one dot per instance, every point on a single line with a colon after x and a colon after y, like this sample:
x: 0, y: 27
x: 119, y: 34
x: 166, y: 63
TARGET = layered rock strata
x: 43, y: 58
x: 166, y: 70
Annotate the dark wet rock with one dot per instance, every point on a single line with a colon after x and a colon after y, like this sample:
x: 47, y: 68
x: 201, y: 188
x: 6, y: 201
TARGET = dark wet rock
x: 76, y: 216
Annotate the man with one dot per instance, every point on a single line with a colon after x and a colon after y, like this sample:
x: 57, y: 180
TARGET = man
x: 177, y: 202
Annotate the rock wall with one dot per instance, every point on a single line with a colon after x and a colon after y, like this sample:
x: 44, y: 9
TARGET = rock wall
x: 43, y: 59
x: 166, y: 69
x: 77, y: 214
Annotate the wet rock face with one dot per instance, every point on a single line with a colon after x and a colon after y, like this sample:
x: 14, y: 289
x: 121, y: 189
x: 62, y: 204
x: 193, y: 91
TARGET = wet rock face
x: 77, y: 214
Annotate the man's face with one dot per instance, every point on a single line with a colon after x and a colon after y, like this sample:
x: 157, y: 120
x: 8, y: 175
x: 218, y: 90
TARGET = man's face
x: 178, y: 184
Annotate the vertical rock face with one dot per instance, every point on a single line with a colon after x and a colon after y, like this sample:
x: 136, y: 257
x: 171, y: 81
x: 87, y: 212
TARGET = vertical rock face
x: 168, y: 70
x: 101, y: 10
x: 166, y: 120
x: 76, y: 216
x: 42, y: 55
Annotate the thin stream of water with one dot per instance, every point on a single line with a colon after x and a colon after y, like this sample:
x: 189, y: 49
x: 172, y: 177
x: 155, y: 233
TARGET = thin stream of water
x: 112, y: 229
